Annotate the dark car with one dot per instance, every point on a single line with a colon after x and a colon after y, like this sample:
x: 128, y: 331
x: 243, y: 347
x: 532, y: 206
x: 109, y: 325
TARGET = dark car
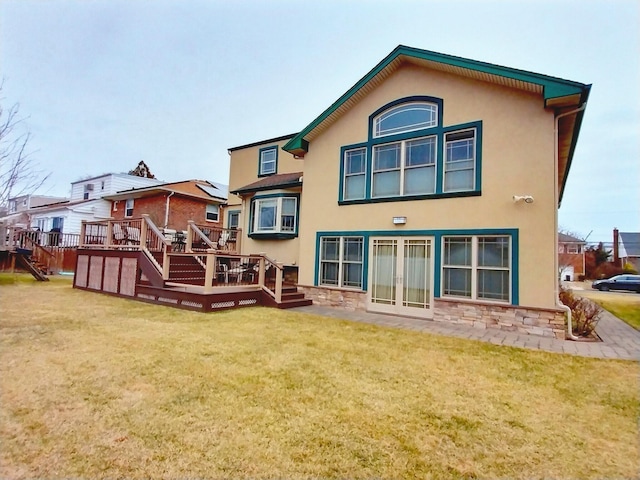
x: 619, y: 282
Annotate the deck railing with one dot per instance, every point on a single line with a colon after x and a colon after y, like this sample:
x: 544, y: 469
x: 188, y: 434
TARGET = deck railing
x: 206, y: 236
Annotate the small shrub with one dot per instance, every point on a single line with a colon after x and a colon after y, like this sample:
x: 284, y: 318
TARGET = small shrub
x: 581, y: 278
x: 630, y: 268
x: 584, y: 313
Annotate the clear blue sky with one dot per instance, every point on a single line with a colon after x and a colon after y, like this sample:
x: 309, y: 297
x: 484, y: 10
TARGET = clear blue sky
x: 105, y: 84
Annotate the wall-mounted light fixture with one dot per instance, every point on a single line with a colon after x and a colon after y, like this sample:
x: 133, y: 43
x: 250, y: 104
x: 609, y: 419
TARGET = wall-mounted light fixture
x: 523, y: 198
x: 399, y: 220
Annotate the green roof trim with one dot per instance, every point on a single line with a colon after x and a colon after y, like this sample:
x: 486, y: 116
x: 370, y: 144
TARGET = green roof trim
x: 553, y: 87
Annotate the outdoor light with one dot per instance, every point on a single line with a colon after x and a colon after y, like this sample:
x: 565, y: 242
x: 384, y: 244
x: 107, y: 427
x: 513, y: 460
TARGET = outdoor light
x: 523, y: 198
x: 399, y: 220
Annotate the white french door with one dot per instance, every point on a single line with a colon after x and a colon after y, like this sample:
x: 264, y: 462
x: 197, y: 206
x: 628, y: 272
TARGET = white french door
x: 401, y: 276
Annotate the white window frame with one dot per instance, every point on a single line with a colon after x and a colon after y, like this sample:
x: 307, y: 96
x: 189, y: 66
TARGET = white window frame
x: 341, y: 262
x: 347, y: 175
x: 237, y: 216
x: 573, y: 248
x: 212, y: 209
x: 128, y: 207
x: 403, y: 168
x: 398, y: 109
x: 263, y: 161
x: 446, y: 163
x: 474, y: 268
x: 279, y: 216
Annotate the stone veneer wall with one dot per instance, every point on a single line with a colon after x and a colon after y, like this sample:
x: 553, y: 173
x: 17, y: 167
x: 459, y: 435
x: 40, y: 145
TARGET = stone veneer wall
x: 526, y: 320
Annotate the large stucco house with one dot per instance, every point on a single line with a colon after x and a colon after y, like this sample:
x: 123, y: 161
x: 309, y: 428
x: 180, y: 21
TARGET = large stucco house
x: 430, y: 189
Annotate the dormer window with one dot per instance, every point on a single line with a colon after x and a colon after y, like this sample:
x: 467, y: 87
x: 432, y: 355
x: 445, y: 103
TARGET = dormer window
x: 407, y: 117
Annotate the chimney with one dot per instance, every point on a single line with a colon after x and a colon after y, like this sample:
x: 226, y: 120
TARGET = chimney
x: 616, y: 255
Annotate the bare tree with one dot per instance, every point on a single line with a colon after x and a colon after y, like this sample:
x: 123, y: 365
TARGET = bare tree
x: 19, y: 174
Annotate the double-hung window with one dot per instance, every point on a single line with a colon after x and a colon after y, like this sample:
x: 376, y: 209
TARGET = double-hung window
x: 403, y: 168
x: 275, y: 215
x: 128, y: 208
x: 355, y: 162
x: 212, y: 213
x: 268, y: 161
x: 341, y: 260
x: 477, y: 267
x: 459, y: 166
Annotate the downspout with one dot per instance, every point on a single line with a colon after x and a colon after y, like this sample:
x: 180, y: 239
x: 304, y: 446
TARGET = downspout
x: 166, y: 211
x: 559, y: 304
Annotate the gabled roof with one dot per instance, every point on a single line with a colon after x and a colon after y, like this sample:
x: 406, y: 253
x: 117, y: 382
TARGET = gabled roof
x: 557, y: 94
x: 201, y: 189
x: 283, y: 180
x: 564, y: 238
x: 631, y: 243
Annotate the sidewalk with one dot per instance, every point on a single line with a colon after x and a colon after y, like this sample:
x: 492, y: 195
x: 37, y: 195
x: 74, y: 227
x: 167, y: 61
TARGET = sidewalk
x: 619, y: 340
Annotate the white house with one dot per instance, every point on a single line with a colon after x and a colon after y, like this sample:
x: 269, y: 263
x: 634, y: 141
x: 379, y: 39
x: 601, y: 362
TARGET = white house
x: 86, y: 202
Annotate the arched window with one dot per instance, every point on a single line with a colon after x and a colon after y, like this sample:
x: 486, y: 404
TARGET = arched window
x: 405, y: 118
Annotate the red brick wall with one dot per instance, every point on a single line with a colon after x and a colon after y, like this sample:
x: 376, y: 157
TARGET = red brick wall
x: 181, y: 209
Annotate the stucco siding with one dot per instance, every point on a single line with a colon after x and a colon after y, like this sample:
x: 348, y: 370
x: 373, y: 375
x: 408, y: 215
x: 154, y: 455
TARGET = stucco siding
x: 517, y: 159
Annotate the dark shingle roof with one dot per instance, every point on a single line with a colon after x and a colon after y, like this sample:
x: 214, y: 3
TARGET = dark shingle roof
x: 283, y: 180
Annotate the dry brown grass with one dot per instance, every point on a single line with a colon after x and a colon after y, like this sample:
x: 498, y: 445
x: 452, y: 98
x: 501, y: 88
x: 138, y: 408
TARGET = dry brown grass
x: 99, y: 387
x: 624, y: 305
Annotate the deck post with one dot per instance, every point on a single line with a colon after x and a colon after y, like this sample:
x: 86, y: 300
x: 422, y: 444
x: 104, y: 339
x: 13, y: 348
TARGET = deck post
x: 279, y: 279
x: 143, y: 231
x: 210, y: 268
x: 107, y: 241
x: 188, y: 246
x: 261, y: 271
x: 83, y: 233
x: 165, y: 263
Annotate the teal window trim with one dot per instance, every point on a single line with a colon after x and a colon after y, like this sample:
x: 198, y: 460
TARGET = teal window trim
x: 232, y: 212
x: 273, y: 235
x: 260, y: 152
x: 440, y: 133
x: 437, y: 235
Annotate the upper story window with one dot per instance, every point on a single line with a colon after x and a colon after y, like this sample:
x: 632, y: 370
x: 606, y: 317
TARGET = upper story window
x: 268, y: 161
x: 405, y: 118
x: 234, y: 219
x: 409, y: 154
x: 88, y: 188
x: 404, y: 168
x: 128, y: 208
x: 354, y: 173
x: 212, y: 213
x: 12, y: 206
x: 275, y: 215
x: 460, y: 162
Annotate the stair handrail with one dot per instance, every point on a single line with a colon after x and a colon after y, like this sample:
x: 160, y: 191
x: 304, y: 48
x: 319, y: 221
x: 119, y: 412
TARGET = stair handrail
x: 265, y: 264
x: 222, y: 238
x: 192, y: 229
x: 26, y: 238
x: 150, y: 234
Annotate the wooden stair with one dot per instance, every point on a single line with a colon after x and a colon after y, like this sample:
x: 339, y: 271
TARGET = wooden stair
x: 185, y: 269
x: 291, y: 297
x: 24, y: 258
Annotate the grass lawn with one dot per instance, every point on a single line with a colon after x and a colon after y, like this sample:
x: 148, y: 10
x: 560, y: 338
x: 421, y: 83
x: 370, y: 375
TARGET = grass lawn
x: 625, y: 306
x: 93, y: 386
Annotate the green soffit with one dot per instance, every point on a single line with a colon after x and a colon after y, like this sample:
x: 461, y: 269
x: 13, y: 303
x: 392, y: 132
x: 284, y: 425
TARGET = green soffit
x: 553, y: 87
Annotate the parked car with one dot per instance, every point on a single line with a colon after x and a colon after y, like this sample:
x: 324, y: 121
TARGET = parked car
x: 619, y: 282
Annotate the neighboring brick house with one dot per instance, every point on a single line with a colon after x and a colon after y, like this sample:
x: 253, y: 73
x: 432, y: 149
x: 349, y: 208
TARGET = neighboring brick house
x: 172, y: 205
x: 571, y: 260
